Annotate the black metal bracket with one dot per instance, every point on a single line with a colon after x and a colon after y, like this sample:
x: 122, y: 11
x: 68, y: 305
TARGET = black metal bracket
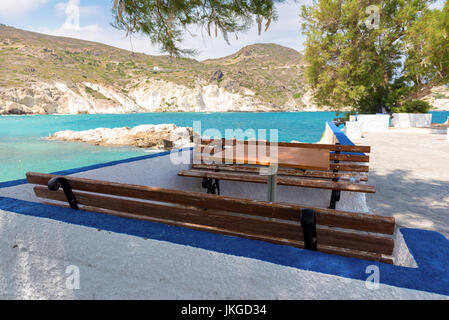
x: 335, y: 196
x: 308, y: 224
x: 336, y: 161
x: 57, y: 182
x: 212, y: 187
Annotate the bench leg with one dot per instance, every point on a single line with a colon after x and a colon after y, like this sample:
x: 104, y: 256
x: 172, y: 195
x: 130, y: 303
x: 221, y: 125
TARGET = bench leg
x: 271, y: 188
x: 335, y: 193
x: 212, y: 187
x: 334, y: 198
x: 308, y: 224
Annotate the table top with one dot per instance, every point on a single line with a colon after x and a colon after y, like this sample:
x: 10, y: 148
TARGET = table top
x: 291, y: 157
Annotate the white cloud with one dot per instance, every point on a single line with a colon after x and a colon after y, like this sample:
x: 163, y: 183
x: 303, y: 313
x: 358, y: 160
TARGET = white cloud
x: 285, y: 31
x: 438, y: 5
x: 90, y: 32
x: 18, y: 8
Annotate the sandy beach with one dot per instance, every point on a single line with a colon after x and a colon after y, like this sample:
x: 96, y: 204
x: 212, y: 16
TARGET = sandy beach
x: 410, y: 171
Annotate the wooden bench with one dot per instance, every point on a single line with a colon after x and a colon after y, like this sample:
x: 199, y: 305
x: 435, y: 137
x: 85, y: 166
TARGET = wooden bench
x: 326, y: 230
x: 348, y: 168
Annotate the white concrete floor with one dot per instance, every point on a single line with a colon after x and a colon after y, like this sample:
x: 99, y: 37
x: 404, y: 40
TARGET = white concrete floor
x: 410, y: 171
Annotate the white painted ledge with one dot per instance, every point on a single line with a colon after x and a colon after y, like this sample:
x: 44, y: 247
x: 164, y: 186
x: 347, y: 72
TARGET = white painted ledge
x: 411, y: 120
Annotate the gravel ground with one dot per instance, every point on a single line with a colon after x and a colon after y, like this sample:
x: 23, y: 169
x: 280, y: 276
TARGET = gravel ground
x: 410, y: 171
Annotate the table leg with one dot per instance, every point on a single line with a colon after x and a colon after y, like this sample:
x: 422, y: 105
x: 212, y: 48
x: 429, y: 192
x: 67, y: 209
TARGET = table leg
x: 271, y: 186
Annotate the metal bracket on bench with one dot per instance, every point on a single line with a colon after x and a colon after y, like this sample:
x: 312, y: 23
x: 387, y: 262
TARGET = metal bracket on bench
x: 336, y: 161
x: 57, y: 182
x: 308, y: 224
x: 335, y: 193
x: 334, y: 198
x: 212, y: 187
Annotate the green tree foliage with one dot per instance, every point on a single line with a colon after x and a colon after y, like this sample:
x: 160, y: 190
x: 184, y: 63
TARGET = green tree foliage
x: 349, y: 64
x: 415, y: 106
x: 427, y: 45
x: 166, y: 21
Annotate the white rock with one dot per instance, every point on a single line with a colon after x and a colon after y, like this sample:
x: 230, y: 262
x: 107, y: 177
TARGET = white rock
x: 180, y: 133
x: 153, y: 128
x: 146, y: 136
x: 182, y: 143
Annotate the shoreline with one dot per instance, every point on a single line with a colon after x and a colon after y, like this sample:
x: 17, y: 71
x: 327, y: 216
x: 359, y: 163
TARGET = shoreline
x: 159, y: 112
x: 180, y: 112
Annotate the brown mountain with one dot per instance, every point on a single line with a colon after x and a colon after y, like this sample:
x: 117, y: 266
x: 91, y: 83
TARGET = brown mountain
x: 47, y: 74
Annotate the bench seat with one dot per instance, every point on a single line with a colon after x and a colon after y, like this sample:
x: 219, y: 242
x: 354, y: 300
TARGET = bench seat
x: 282, y: 179
x: 286, y: 171
x: 339, y: 232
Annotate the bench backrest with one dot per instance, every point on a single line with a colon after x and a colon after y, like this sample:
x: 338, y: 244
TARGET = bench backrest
x: 342, y: 158
x: 338, y: 232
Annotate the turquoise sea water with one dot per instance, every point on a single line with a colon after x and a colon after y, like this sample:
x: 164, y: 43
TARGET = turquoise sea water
x: 23, y: 149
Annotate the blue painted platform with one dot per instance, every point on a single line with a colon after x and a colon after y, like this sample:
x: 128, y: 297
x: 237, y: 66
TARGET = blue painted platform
x: 430, y: 249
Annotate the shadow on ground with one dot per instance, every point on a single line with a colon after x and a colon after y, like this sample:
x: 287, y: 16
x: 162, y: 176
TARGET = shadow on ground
x: 415, y: 203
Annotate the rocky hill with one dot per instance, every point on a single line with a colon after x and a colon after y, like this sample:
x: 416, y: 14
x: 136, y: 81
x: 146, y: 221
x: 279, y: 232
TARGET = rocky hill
x: 437, y: 96
x: 43, y: 74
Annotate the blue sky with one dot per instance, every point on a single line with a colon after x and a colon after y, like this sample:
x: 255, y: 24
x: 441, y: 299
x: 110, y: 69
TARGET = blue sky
x: 51, y: 16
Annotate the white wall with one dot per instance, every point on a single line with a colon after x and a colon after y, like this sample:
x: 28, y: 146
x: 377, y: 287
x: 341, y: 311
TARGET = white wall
x: 328, y: 136
x: 372, y: 122
x: 353, y: 130
x: 411, y: 120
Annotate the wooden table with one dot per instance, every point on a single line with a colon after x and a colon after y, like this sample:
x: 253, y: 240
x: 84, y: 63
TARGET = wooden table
x: 290, y: 157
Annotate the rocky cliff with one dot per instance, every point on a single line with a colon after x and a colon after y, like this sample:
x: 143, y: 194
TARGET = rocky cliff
x: 42, y: 74
x: 438, y: 98
x: 151, y: 96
